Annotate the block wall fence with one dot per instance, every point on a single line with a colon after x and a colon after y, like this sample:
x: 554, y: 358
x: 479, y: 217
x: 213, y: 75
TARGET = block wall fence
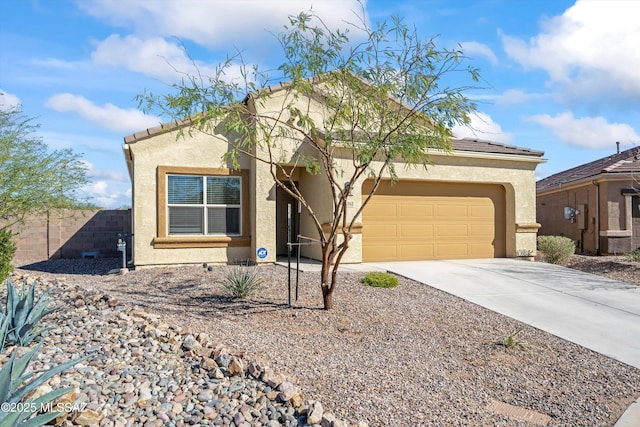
x: 70, y: 234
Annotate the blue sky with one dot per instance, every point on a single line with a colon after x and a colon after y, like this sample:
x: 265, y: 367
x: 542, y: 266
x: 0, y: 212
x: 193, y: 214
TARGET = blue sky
x: 561, y: 76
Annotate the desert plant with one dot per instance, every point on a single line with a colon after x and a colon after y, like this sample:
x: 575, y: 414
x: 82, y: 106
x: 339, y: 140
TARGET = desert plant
x: 23, y: 314
x: 380, y: 280
x: 16, y: 384
x: 7, y: 251
x: 635, y: 255
x: 241, y: 281
x: 556, y: 249
x: 512, y: 340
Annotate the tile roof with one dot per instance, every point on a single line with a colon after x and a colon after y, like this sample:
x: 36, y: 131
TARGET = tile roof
x: 479, y: 146
x: 627, y: 161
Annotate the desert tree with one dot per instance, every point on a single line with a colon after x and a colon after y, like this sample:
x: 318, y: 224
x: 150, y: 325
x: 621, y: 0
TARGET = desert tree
x: 356, y: 101
x: 33, y: 178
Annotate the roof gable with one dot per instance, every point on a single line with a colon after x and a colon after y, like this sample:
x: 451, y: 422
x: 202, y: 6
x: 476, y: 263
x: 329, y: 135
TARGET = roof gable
x: 627, y: 161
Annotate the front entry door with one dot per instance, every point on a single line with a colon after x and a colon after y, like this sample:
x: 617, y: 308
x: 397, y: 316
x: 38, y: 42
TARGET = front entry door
x: 283, y: 199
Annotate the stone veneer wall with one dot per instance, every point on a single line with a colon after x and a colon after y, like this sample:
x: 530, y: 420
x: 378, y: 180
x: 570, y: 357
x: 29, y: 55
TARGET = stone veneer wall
x: 70, y: 233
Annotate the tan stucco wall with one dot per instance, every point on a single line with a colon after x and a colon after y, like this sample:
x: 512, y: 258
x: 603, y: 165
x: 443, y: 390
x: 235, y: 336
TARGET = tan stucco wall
x: 514, y: 173
x: 517, y: 177
x: 198, y: 150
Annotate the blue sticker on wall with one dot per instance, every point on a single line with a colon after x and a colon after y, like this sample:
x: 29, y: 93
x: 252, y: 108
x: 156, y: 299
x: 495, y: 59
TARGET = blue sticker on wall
x: 262, y: 253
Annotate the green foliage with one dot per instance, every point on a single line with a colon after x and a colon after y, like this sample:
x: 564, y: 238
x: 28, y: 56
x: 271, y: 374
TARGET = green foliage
x: 34, y: 179
x: 241, y: 281
x: 380, y: 280
x: 23, y: 314
x: 355, y: 104
x: 16, y: 384
x: 7, y: 251
x: 635, y: 255
x: 556, y: 249
x: 512, y: 340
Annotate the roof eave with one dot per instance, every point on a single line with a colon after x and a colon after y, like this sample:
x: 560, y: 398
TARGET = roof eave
x: 528, y: 158
x: 593, y: 179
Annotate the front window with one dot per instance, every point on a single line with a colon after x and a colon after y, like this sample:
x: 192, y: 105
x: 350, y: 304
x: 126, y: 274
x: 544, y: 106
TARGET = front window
x: 204, y: 205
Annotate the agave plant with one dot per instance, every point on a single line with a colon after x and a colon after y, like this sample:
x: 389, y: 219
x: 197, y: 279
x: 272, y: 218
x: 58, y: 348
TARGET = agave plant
x: 16, y: 384
x: 23, y: 313
x: 4, y: 328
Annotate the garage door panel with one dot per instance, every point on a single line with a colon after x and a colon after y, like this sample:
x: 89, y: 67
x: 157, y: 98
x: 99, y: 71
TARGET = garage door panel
x: 415, y: 231
x: 482, y: 211
x: 480, y: 251
x: 379, y: 252
x: 382, y: 210
x: 453, y: 211
x: 416, y: 220
x: 452, y: 250
x: 476, y: 230
x: 382, y: 231
x: 452, y: 230
x: 415, y: 210
x: 410, y: 251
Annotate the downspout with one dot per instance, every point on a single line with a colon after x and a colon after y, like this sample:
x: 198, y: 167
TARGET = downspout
x: 597, y: 225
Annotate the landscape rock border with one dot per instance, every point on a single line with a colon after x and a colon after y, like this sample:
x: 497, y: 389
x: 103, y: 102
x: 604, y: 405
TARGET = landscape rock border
x: 186, y: 379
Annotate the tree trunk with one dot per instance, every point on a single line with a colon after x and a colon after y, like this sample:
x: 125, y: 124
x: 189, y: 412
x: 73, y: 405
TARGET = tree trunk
x: 327, y: 298
x: 327, y: 289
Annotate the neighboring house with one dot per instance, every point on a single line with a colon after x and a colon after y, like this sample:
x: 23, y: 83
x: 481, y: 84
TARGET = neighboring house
x: 595, y: 204
x: 476, y: 202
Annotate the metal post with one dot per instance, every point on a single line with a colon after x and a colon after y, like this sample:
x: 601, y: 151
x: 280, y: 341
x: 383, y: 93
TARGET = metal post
x: 298, y: 254
x: 289, y: 251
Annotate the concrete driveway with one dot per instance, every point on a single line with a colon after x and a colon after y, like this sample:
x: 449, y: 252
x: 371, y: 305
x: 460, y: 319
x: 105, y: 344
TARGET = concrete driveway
x: 598, y: 313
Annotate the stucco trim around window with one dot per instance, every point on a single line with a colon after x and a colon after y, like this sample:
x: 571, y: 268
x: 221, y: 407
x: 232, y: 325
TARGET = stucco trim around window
x: 165, y: 241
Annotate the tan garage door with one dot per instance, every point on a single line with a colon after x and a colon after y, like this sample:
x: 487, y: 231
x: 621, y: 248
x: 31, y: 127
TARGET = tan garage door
x: 417, y: 220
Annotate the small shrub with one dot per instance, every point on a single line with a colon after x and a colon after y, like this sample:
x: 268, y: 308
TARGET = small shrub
x: 241, y: 281
x: 556, y: 249
x: 7, y: 251
x: 512, y: 340
x: 380, y: 280
x: 635, y: 255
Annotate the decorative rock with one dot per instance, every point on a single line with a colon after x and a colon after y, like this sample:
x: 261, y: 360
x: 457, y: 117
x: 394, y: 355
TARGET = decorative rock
x: 315, y: 413
x: 327, y: 420
x: 238, y: 418
x: 146, y: 373
x: 255, y: 369
x: 236, y: 367
x: 271, y: 378
x: 190, y: 343
x: 86, y: 418
x: 177, y: 408
x: 287, y: 391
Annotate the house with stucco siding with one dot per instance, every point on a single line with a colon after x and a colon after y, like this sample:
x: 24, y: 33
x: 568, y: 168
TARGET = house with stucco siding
x: 191, y: 206
x: 596, y: 204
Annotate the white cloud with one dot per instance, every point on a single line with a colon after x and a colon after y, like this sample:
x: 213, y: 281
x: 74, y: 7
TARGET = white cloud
x: 8, y: 101
x: 479, y: 49
x: 589, y: 132
x: 107, y: 116
x: 591, y: 49
x: 107, y: 194
x: 517, y: 96
x: 214, y: 22
x: 482, y: 127
x: 154, y: 57
x: 99, y: 174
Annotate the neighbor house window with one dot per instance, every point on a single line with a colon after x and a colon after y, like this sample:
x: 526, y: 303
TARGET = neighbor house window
x: 204, y: 205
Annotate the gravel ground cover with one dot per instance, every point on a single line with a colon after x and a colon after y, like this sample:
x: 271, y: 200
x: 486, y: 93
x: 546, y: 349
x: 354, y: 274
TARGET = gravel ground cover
x: 406, y: 356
